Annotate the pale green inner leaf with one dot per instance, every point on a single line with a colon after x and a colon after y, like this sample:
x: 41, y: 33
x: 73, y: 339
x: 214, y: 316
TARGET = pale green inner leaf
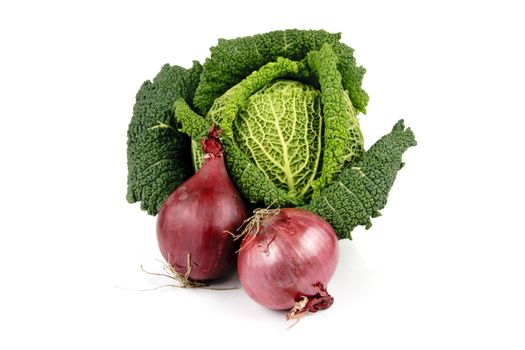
x: 279, y: 128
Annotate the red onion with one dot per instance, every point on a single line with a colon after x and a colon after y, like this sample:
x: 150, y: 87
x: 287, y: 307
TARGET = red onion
x: 287, y: 258
x: 194, y: 223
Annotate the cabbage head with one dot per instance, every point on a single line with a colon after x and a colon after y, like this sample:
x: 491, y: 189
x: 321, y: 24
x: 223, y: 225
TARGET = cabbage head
x: 287, y: 104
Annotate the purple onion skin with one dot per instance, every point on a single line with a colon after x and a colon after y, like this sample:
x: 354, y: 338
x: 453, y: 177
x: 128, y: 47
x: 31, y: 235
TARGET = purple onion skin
x: 293, y: 253
x: 194, y: 220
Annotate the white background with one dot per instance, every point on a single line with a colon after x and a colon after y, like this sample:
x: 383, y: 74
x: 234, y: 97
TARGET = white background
x: 443, y: 268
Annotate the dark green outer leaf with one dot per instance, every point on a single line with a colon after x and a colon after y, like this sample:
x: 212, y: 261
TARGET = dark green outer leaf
x: 158, y: 154
x: 233, y: 60
x: 362, y: 188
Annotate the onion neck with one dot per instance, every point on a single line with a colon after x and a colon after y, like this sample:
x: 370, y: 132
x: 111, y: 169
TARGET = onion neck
x: 211, y: 145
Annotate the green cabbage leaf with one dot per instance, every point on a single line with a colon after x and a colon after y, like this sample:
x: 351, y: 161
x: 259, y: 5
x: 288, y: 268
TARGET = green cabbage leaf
x: 158, y: 156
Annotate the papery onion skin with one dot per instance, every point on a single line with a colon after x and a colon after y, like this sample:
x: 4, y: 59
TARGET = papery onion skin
x: 197, y: 217
x: 294, y: 254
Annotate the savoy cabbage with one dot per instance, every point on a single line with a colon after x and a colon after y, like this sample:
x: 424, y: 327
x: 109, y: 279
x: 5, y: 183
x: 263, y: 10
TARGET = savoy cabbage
x: 287, y: 103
